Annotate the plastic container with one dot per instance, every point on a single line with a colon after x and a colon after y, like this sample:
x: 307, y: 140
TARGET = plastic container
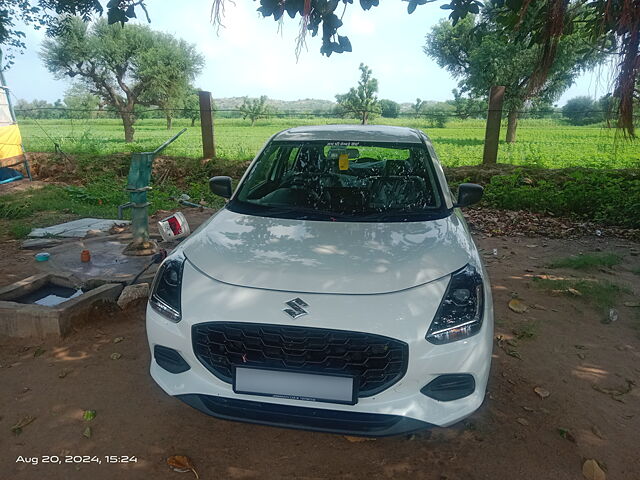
x: 174, y: 227
x: 42, y: 256
x: 85, y: 256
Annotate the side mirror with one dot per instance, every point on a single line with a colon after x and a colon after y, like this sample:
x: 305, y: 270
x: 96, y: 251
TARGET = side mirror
x: 221, y: 185
x: 468, y: 194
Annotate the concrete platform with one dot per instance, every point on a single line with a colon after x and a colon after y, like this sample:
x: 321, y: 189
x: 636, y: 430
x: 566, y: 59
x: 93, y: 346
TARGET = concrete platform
x: 108, y: 264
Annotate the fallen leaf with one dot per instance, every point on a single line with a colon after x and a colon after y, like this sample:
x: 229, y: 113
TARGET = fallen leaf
x: 89, y: 415
x: 17, y: 428
x: 63, y: 373
x: 522, y: 421
x: 87, y: 432
x: 542, y: 393
x: 581, y: 356
x: 39, y: 351
x: 182, y: 464
x: 517, y: 305
x: 358, y: 439
x: 592, y: 471
x: 574, y: 292
x: 514, y: 353
x: 565, y: 433
x: 116, y: 356
x: 528, y: 409
x: 118, y: 339
x: 596, y: 431
x: 615, y: 393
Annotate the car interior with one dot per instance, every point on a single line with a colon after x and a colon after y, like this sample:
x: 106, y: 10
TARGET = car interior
x: 349, y: 180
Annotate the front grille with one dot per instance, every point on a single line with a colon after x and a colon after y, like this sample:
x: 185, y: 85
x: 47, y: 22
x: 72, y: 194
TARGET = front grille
x: 377, y: 362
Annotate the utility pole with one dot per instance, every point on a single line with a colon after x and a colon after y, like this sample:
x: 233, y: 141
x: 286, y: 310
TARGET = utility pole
x: 206, y: 124
x: 492, y: 134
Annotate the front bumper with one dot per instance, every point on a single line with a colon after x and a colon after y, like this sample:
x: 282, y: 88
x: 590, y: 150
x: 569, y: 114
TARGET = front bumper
x: 304, y: 418
x: 398, y: 409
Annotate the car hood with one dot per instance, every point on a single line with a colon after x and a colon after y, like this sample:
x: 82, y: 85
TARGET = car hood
x: 328, y: 257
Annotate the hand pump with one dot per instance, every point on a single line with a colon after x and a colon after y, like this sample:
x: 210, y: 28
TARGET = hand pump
x: 138, y: 186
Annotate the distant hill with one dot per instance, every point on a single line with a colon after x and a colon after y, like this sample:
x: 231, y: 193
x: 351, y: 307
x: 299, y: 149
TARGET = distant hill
x: 307, y: 105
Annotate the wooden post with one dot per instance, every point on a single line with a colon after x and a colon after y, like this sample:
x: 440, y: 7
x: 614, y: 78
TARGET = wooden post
x: 206, y: 124
x: 492, y: 134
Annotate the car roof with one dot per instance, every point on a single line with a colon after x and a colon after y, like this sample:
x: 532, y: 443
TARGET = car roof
x: 351, y: 133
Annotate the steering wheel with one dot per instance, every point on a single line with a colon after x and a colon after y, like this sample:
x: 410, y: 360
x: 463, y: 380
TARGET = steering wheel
x: 299, y: 183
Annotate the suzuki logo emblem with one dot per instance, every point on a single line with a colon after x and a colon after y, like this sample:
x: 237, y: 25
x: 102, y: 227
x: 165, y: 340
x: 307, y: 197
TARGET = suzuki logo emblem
x: 295, y: 309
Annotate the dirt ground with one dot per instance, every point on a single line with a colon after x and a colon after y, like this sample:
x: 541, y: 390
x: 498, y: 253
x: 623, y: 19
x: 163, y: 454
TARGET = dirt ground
x: 591, y: 370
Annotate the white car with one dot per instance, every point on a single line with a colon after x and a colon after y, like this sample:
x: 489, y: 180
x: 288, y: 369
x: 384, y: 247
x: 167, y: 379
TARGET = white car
x: 339, y: 290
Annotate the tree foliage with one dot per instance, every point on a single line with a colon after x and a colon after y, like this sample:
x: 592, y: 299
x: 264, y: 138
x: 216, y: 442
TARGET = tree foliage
x: 468, y: 106
x: 254, y: 108
x: 417, y: 107
x: 81, y: 103
x: 125, y: 67
x: 389, y: 108
x: 169, y: 65
x: 54, y: 15
x: 478, y: 53
x: 611, y: 25
x: 582, y: 110
x: 361, y: 101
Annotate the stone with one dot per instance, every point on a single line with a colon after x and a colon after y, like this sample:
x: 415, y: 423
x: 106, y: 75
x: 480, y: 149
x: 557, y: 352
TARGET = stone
x: 77, y: 228
x: 131, y: 293
x: 39, y: 243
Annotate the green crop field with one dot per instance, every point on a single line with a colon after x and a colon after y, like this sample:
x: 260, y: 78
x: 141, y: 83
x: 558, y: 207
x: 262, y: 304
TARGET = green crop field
x: 542, y: 143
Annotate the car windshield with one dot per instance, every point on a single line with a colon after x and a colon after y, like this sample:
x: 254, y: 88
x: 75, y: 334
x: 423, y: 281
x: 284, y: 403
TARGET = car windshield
x: 338, y: 182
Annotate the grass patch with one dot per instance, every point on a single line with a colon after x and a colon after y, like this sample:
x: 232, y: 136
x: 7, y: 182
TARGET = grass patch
x: 587, y: 261
x: 526, y: 331
x: 543, y: 143
x: 99, y: 197
x: 603, y: 294
x: 636, y: 271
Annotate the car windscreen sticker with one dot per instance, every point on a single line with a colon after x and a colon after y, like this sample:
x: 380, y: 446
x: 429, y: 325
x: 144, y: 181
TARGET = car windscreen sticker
x: 343, y: 161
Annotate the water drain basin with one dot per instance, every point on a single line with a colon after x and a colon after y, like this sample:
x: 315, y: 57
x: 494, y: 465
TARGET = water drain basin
x: 49, y: 295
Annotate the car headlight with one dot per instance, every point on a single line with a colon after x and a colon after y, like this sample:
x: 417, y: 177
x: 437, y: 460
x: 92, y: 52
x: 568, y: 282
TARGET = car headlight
x: 460, y: 313
x: 167, y: 288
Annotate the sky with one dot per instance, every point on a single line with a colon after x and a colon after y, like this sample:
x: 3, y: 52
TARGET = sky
x: 251, y: 57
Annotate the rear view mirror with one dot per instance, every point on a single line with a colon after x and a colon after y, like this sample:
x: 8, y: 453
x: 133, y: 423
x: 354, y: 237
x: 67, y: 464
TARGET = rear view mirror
x: 221, y: 186
x: 468, y: 194
x: 335, y: 152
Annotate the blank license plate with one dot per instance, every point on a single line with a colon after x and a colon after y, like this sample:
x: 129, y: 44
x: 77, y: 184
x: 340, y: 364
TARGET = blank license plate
x: 297, y: 386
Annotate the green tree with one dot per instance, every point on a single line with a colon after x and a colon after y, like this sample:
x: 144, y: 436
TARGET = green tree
x: 389, y: 108
x: 480, y: 55
x: 361, y: 101
x: 611, y: 25
x: 122, y: 66
x: 466, y: 107
x: 254, y: 108
x: 79, y: 102
x: 582, y: 111
x: 191, y: 106
x: 169, y: 65
x: 438, y: 114
x: 417, y: 107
